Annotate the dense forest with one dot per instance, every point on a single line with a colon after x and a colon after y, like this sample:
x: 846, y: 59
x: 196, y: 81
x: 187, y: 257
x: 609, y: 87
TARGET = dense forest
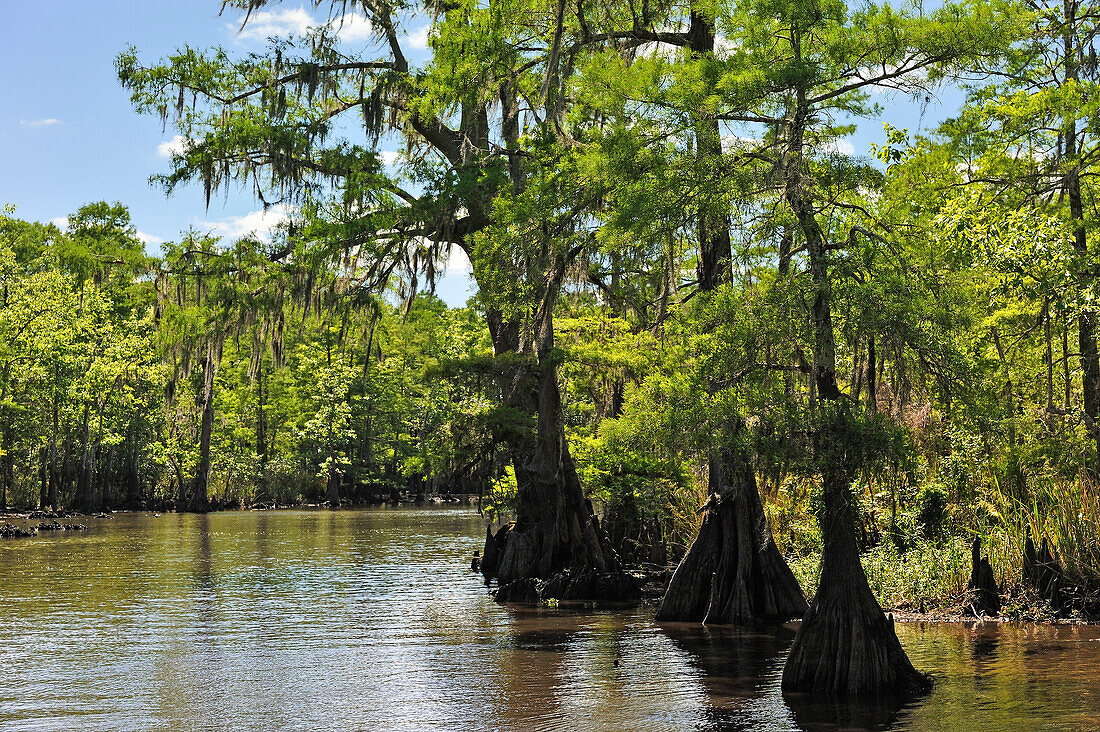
x: 701, y: 320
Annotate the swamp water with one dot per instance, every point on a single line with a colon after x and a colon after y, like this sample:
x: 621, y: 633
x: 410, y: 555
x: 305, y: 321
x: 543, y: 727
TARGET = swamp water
x: 371, y: 620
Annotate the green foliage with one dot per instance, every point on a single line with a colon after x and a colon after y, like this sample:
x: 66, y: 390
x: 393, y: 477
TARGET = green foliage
x: 587, y: 159
x: 932, y: 510
x: 500, y: 500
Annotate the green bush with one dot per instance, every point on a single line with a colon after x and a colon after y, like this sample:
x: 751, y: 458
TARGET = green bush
x: 932, y: 510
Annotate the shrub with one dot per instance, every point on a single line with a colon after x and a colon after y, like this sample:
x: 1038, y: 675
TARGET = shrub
x: 932, y: 510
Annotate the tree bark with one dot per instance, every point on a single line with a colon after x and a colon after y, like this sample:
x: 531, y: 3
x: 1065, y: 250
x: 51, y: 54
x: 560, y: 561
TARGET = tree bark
x: 555, y: 529
x: 715, y: 246
x: 845, y: 644
x: 733, y: 572
x: 984, y: 594
x: 872, y: 387
x: 54, y: 476
x: 43, y: 478
x: 1086, y: 321
x: 84, y: 488
x: 133, y: 476
x: 198, y: 500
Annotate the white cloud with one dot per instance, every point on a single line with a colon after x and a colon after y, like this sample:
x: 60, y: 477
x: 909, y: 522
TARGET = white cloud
x: 725, y: 47
x: 47, y: 122
x: 667, y: 51
x: 257, y: 223
x: 298, y: 21
x: 352, y: 27
x: 148, y: 239
x: 61, y: 222
x: 389, y: 157
x: 731, y: 143
x: 840, y: 147
x: 417, y: 39
x: 267, y: 23
x: 176, y: 146
x: 458, y: 263
x: 913, y: 77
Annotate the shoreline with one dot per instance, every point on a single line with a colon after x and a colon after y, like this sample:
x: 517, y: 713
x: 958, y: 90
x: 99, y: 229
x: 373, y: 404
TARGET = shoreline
x: 652, y: 579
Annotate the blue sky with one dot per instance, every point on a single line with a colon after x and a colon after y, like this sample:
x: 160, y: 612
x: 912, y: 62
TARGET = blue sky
x: 69, y: 136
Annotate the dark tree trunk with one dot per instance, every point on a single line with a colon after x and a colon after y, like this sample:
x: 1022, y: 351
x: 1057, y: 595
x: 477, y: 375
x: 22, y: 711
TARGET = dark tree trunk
x: 133, y: 476
x: 872, y: 388
x: 261, y: 425
x: 984, y: 595
x: 133, y: 481
x: 43, y: 477
x: 83, y: 479
x: 54, y: 476
x: 715, y: 247
x: 555, y: 530
x: 333, y: 476
x: 1086, y: 321
x: 733, y: 573
x: 1043, y: 572
x: 9, y: 471
x: 845, y: 645
x: 198, y: 500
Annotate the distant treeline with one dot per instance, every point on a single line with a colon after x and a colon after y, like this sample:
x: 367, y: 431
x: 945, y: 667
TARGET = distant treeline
x: 211, y: 376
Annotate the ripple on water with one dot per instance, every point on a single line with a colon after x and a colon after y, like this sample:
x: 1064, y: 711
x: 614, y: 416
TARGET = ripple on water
x: 370, y: 620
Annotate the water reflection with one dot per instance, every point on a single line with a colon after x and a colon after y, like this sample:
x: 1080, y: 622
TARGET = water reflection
x: 372, y: 620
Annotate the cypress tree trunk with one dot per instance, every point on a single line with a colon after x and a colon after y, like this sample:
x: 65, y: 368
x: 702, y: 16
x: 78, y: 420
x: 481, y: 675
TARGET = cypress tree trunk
x: 261, y: 425
x: 133, y: 498
x: 555, y: 530
x: 198, y: 500
x: 845, y: 645
x: 556, y: 547
x: 43, y: 478
x: 1086, y: 321
x: 133, y: 481
x: 84, y: 491
x: 733, y: 573
x: 9, y: 470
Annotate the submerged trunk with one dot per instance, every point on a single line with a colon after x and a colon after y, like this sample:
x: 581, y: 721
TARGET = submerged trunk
x: 555, y: 530
x: 733, y: 573
x: 846, y: 645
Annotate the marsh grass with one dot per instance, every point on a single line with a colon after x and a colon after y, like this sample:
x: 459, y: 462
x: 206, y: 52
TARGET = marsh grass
x: 1064, y: 512
x: 929, y: 575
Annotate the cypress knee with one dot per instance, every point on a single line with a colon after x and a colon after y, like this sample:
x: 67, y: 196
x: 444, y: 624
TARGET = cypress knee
x: 982, y: 588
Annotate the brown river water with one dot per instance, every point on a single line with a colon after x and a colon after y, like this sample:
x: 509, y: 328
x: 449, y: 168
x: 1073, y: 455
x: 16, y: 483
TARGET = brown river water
x: 371, y: 620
